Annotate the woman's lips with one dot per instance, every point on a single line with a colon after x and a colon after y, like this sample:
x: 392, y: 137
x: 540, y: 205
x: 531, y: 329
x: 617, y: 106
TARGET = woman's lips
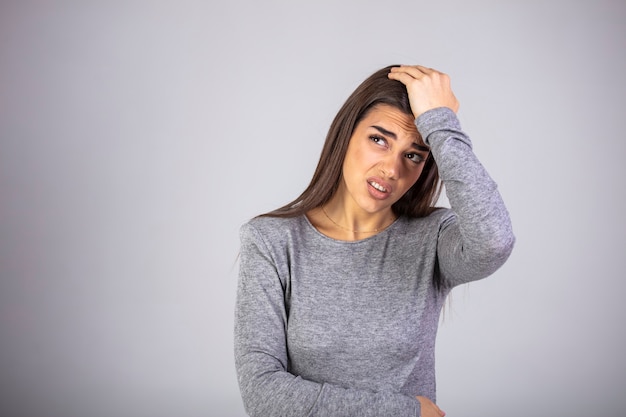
x: 378, y: 188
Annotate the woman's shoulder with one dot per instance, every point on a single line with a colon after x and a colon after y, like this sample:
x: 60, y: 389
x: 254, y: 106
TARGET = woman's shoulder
x: 272, y: 222
x: 273, y: 228
x: 412, y: 230
x: 438, y: 216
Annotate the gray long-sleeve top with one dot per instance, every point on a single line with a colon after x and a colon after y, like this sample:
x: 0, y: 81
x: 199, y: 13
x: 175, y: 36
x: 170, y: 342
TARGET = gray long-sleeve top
x: 334, y: 328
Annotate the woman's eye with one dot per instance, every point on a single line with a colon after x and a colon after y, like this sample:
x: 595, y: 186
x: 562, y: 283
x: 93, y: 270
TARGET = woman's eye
x: 378, y: 139
x: 415, y: 157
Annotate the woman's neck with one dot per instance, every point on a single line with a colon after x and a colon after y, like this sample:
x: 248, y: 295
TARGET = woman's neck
x: 339, y: 219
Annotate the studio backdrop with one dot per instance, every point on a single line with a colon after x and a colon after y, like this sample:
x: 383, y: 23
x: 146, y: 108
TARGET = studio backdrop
x: 137, y: 137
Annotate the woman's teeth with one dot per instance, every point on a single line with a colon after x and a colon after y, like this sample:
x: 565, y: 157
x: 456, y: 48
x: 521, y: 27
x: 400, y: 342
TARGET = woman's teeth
x: 378, y: 186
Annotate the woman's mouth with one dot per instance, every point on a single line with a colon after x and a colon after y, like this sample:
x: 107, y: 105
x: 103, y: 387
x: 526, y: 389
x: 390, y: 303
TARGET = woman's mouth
x: 378, y: 186
x: 378, y: 189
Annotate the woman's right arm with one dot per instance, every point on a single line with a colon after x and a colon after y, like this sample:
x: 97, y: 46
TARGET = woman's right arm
x: 261, y: 357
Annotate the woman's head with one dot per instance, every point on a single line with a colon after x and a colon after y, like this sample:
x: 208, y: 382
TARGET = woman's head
x: 376, y: 90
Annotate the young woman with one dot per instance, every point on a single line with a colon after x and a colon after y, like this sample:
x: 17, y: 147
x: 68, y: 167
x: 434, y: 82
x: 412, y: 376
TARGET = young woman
x: 340, y: 291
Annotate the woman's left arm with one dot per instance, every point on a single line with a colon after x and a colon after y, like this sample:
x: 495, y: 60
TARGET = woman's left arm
x: 478, y: 238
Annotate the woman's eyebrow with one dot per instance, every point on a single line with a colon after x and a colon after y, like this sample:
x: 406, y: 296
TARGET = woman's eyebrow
x: 385, y: 132
x: 395, y: 137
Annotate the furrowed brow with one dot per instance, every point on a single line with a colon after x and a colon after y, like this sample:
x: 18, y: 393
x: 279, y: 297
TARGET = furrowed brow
x: 392, y: 135
x: 421, y: 147
x: 386, y: 132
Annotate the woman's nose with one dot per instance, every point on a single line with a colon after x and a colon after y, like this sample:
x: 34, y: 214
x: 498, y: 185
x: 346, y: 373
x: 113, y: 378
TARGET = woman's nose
x: 392, y: 166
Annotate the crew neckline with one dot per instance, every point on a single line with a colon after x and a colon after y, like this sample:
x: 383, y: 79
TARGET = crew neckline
x: 331, y: 239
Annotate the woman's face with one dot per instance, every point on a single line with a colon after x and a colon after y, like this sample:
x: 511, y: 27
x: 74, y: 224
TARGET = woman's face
x: 385, y: 157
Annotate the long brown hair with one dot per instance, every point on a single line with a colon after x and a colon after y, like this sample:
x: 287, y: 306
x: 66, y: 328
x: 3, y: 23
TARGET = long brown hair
x: 418, y: 201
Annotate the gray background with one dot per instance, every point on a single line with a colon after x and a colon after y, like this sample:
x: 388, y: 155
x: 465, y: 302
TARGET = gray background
x: 137, y: 137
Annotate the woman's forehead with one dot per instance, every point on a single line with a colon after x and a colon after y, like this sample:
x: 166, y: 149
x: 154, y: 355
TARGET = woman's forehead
x: 394, y: 120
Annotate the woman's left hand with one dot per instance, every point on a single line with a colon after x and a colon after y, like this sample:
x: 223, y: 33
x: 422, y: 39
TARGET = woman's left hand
x: 429, y: 408
x: 427, y: 88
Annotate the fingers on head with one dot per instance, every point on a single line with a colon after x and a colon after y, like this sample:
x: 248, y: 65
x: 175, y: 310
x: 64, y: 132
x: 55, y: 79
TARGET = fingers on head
x: 411, y: 70
x: 420, y: 71
x: 403, y: 77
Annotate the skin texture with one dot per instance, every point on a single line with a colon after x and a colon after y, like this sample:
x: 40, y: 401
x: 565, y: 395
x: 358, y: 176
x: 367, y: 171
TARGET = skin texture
x: 429, y: 408
x: 427, y: 88
x: 386, y: 151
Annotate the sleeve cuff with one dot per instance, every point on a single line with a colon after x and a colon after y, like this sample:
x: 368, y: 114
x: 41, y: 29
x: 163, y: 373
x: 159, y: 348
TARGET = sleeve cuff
x: 440, y: 118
